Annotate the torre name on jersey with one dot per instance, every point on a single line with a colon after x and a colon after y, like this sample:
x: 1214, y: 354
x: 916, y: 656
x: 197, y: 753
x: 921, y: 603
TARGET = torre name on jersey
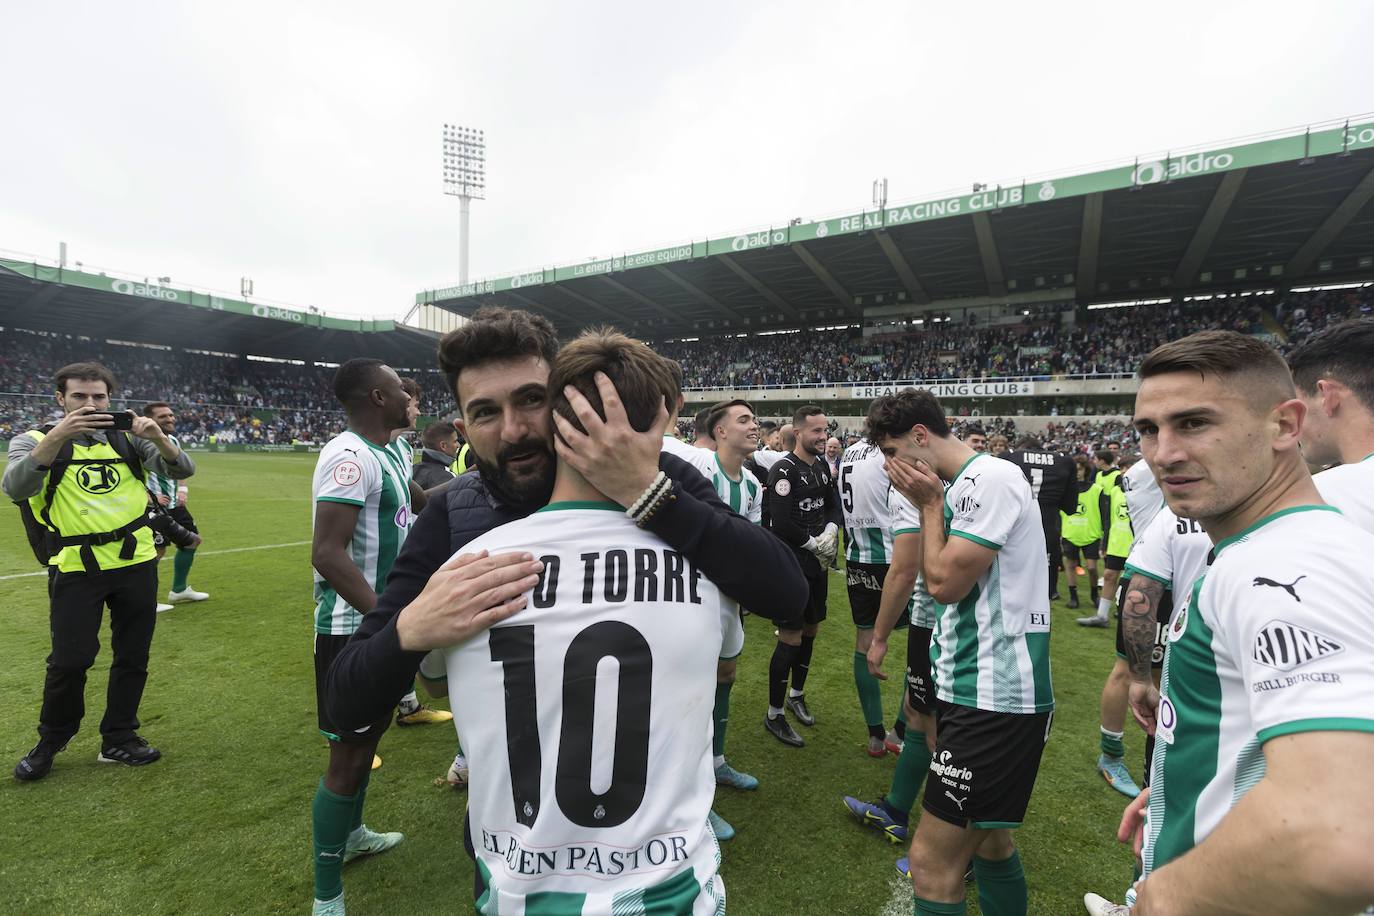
x: 618, y: 575
x: 586, y: 859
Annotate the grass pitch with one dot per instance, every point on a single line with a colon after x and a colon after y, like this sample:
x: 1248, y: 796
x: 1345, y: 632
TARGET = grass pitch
x: 222, y: 823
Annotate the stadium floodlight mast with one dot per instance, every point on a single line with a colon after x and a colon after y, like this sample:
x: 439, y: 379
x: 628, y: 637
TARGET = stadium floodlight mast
x: 465, y: 177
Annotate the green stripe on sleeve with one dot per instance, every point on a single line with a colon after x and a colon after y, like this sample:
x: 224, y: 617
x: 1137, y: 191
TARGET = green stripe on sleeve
x: 975, y: 539
x: 1331, y: 724
x: 1137, y: 571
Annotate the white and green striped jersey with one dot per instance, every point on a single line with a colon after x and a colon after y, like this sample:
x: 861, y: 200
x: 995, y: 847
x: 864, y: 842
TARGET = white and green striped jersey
x: 1350, y: 488
x: 159, y: 485
x: 354, y: 471
x: 991, y: 649
x: 1278, y: 638
x: 863, y: 486
x: 743, y: 496
x: 906, y: 519
x: 405, y: 453
x: 586, y: 719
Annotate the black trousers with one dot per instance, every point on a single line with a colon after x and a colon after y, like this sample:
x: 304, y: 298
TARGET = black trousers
x: 78, y: 603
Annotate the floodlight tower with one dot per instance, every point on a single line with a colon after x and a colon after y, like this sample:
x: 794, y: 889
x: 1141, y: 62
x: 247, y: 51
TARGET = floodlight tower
x: 465, y: 177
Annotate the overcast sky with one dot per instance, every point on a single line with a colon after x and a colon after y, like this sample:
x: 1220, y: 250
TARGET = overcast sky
x: 298, y: 143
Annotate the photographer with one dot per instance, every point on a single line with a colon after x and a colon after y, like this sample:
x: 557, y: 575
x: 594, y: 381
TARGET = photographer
x: 82, y: 478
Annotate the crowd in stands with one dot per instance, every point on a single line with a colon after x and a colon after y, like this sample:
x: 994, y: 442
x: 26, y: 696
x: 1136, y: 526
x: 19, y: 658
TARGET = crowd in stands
x: 1040, y: 345
x: 236, y: 399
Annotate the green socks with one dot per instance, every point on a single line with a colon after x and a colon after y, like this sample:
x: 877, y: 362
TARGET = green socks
x: 870, y: 692
x: 332, y: 816
x: 181, y: 569
x: 931, y: 908
x: 1001, y: 886
x: 722, y: 718
x: 912, y: 765
x: 358, y: 805
x: 1112, y: 745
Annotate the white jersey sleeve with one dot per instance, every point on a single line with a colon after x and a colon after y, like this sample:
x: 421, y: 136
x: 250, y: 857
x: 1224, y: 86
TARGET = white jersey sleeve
x: 985, y: 504
x: 1150, y: 555
x: 1143, y: 496
x: 766, y: 458
x: 675, y: 446
x: 905, y: 517
x: 346, y: 473
x: 1350, y: 488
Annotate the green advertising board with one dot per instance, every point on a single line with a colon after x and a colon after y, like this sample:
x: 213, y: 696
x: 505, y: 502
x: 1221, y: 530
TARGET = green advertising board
x: 170, y: 294
x: 1142, y: 172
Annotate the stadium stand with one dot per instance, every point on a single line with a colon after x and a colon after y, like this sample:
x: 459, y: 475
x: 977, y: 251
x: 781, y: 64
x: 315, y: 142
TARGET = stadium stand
x: 1106, y: 341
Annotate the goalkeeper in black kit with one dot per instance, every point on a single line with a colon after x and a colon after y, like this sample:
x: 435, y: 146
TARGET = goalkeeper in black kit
x: 802, y: 509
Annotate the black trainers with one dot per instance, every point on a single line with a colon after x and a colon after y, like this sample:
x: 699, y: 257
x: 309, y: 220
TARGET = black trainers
x: 780, y: 728
x: 133, y: 753
x: 797, y: 706
x: 37, y: 763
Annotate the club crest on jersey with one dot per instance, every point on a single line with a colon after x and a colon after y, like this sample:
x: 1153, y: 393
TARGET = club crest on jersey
x: 1285, y: 646
x: 1180, y: 623
x: 782, y: 487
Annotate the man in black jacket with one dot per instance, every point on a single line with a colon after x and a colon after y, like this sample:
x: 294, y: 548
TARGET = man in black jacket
x: 497, y: 365
x: 435, y: 467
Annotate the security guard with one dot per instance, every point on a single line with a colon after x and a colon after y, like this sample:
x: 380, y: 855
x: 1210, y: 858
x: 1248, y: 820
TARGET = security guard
x: 82, y: 481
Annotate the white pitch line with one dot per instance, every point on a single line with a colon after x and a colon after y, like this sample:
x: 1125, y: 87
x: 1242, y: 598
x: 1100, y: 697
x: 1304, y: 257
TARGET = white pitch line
x: 207, y: 553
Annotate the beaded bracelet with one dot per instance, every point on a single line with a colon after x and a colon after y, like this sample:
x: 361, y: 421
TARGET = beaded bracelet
x: 662, y: 499
x: 649, y: 493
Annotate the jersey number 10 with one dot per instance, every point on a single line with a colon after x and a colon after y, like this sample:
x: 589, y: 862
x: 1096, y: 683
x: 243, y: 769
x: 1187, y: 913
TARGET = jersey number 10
x: 513, y: 648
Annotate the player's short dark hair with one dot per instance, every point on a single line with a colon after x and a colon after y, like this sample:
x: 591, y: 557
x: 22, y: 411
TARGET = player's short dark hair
x: 1026, y: 442
x: 154, y: 405
x: 83, y: 372
x: 717, y: 411
x: 495, y: 333
x: 1126, y: 460
x: 804, y: 413
x: 642, y: 378
x: 356, y: 379
x: 1344, y: 353
x: 767, y: 426
x: 894, y: 414
x: 701, y: 427
x: 412, y: 388
x: 1224, y: 354
x: 974, y: 429
x: 1106, y: 455
x: 436, y: 432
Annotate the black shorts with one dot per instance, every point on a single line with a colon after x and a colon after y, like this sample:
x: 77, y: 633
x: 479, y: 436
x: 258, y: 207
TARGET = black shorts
x: 183, y: 518
x: 1162, y: 614
x: 327, y: 649
x: 814, y: 612
x: 865, y: 583
x: 1114, y: 562
x: 919, y: 683
x: 984, y: 766
x: 1077, y: 554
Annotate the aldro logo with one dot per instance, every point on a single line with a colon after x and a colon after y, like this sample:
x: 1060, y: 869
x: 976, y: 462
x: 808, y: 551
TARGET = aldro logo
x: 97, y: 479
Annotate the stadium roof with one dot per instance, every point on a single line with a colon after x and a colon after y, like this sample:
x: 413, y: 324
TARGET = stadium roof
x: 1280, y: 210
x: 97, y: 305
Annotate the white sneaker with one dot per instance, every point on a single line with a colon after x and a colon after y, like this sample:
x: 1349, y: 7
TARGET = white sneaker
x: 458, y: 772
x: 1101, y: 906
x: 164, y: 607
x: 333, y: 907
x: 187, y: 594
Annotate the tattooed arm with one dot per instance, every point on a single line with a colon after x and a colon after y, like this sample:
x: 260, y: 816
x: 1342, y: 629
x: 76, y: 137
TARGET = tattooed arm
x: 1139, y: 619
